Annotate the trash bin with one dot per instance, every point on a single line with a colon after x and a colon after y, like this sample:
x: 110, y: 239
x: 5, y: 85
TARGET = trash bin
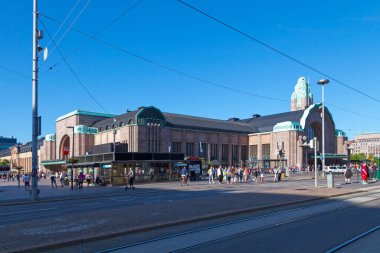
x: 377, y: 174
x: 330, y: 180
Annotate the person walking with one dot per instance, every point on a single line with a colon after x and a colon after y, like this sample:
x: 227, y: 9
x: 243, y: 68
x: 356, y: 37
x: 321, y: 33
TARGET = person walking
x: 210, y: 175
x: 18, y: 177
x: 275, y: 175
x: 261, y: 176
x: 279, y: 172
x: 26, y: 179
x: 53, y: 180
x: 364, y: 173
x: 130, y: 177
x: 255, y: 175
x: 220, y: 174
x: 347, y: 175
x: 81, y: 178
x: 62, y: 177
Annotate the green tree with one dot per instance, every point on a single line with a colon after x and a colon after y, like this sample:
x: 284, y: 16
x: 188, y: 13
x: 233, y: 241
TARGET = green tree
x: 359, y: 157
x: 4, y: 162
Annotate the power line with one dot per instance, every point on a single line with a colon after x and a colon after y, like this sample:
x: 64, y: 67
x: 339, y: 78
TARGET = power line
x: 97, y: 33
x: 64, y: 21
x: 169, y: 68
x: 73, y: 72
x: 15, y: 72
x: 72, y: 23
x: 277, y: 50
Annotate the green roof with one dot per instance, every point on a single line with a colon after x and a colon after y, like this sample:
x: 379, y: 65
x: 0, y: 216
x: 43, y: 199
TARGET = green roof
x: 80, y: 112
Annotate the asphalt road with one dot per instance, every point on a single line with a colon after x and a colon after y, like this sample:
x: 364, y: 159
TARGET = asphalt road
x: 44, y: 210
x: 312, y: 227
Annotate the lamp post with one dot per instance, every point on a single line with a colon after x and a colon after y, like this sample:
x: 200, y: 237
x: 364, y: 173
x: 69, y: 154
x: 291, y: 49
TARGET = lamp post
x: 72, y: 162
x: 323, y: 82
x: 114, y: 136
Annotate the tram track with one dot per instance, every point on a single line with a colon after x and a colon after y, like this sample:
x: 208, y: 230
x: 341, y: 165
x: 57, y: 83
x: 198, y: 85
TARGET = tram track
x: 208, y: 235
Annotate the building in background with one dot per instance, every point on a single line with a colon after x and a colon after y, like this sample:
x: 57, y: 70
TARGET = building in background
x: 366, y: 143
x: 6, y: 143
x: 152, y: 142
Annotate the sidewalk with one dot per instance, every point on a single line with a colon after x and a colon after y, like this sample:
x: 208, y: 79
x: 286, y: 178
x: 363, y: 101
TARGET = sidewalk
x: 11, y: 194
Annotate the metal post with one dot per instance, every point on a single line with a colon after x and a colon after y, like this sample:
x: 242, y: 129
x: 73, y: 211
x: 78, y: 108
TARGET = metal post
x: 315, y: 161
x: 34, y: 193
x: 323, y: 128
x: 72, y: 163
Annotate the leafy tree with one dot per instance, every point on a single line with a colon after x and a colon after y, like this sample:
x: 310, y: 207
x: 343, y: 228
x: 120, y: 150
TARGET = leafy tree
x: 359, y: 157
x: 4, y: 162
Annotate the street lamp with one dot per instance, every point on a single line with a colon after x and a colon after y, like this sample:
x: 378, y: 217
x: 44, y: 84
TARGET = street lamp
x: 114, y: 134
x: 323, y: 82
x: 72, y: 162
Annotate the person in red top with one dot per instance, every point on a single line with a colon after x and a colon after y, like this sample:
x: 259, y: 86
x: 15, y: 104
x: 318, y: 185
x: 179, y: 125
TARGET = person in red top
x: 364, y: 173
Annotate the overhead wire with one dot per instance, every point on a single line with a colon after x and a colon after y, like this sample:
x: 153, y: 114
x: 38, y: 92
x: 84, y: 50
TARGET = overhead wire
x: 15, y: 72
x: 64, y: 21
x: 73, y: 72
x: 169, y: 68
x: 71, y: 24
x: 277, y: 51
x: 97, y: 33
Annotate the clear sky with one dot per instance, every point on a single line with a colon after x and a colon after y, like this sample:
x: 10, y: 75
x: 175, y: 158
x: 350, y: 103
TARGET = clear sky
x: 340, y: 38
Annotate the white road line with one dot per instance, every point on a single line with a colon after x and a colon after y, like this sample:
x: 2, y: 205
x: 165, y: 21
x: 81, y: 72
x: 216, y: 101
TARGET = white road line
x: 29, y: 211
x: 90, y: 204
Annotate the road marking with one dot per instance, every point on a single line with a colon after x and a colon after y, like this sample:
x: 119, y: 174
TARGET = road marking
x: 29, y: 211
x: 90, y: 204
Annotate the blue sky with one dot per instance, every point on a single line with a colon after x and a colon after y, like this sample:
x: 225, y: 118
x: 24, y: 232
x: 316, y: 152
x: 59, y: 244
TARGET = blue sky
x: 339, y: 38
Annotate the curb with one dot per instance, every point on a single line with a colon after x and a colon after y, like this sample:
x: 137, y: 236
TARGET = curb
x: 172, y: 224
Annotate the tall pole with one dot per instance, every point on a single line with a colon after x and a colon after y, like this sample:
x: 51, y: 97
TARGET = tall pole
x: 323, y: 128
x: 34, y: 193
x: 72, y: 163
x: 315, y: 162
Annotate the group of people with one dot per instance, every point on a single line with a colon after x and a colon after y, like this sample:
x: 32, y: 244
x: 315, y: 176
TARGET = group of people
x: 233, y: 175
x: 368, y: 172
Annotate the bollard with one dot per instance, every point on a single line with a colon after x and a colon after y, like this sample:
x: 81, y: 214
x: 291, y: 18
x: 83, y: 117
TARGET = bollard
x: 330, y: 180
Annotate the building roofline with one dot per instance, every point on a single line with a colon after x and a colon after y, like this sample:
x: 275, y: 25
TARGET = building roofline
x: 88, y: 113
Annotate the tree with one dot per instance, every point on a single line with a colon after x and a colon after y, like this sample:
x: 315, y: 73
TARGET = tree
x: 4, y: 162
x: 359, y: 157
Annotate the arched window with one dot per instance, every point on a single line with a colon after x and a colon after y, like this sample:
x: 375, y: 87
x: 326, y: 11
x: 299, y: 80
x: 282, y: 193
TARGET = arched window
x: 107, y: 127
x: 121, y: 124
x: 100, y: 129
x: 130, y: 121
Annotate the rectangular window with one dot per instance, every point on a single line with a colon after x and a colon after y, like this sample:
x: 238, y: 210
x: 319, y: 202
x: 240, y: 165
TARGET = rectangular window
x: 253, y: 152
x: 189, y: 148
x: 235, y: 154
x: 176, y: 147
x: 224, y: 152
x: 214, y: 152
x: 203, y: 150
x: 244, y: 153
x: 266, y: 151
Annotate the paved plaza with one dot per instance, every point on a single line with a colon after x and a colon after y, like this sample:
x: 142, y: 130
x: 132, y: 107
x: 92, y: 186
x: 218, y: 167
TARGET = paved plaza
x: 65, y: 216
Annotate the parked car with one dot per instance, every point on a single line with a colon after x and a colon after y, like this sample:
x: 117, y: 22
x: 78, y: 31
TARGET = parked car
x: 335, y: 169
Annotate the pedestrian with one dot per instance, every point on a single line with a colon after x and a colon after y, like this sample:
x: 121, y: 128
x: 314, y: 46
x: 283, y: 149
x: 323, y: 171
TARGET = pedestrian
x: 81, y: 178
x: 53, y: 180
x: 364, y: 173
x: 131, y: 178
x: 210, y: 175
x: 347, y: 175
x: 261, y: 176
x: 220, y: 174
x: 62, y: 177
x: 255, y: 175
x: 88, y: 179
x: 275, y: 174
x: 229, y: 173
x: 26, y: 179
x: 18, y: 177
x: 279, y: 172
